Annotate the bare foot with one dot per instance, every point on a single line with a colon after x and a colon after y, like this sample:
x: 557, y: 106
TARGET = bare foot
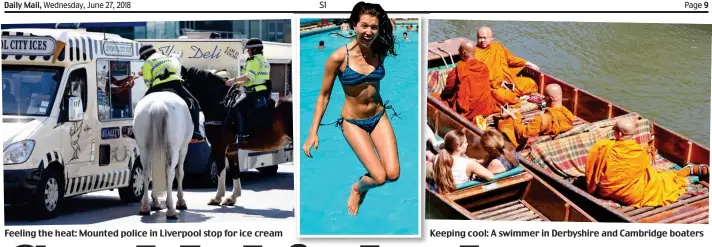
x: 355, y: 199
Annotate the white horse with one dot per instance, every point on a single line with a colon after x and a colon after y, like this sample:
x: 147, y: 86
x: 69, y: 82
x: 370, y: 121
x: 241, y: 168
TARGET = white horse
x: 163, y: 129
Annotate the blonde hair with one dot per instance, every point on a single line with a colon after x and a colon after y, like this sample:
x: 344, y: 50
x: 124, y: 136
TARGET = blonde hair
x: 442, y: 167
x: 494, y: 143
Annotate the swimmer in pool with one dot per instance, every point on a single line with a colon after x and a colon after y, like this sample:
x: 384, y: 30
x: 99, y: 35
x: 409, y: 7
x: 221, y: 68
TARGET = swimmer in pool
x: 345, y: 26
x: 405, y: 36
x: 364, y: 122
x: 321, y: 45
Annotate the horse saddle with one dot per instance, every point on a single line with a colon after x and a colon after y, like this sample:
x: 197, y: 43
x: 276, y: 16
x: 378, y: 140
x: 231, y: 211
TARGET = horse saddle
x: 260, y: 113
x: 257, y: 114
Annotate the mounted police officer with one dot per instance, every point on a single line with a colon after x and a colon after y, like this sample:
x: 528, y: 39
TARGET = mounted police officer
x: 163, y: 73
x: 257, y: 83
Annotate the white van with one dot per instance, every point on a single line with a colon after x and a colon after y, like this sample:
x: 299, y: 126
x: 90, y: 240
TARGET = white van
x: 67, y: 114
x: 229, y: 55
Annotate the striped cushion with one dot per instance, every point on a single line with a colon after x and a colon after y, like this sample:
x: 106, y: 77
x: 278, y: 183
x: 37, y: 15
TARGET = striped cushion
x: 567, y: 156
x: 437, y: 80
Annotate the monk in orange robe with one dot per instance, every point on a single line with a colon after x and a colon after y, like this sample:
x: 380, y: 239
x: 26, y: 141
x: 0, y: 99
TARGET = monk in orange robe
x: 620, y: 170
x: 503, y: 67
x: 554, y: 120
x: 468, y: 86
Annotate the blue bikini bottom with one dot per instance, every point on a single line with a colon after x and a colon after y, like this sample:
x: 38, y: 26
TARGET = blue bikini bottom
x: 367, y: 124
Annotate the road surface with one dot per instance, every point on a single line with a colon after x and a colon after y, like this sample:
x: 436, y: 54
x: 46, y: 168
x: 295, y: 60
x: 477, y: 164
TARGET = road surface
x: 262, y: 197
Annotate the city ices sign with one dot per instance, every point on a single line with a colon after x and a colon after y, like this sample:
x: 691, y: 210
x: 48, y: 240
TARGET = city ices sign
x: 28, y: 45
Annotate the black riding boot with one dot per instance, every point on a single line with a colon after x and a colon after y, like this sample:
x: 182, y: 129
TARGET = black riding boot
x: 195, y: 117
x: 241, y: 127
x: 194, y: 109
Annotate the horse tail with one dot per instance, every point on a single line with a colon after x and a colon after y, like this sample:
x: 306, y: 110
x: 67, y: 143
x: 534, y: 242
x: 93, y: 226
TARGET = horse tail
x: 158, y: 151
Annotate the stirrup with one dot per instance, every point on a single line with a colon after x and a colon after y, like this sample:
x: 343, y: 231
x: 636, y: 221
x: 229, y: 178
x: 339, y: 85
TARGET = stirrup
x: 242, y: 138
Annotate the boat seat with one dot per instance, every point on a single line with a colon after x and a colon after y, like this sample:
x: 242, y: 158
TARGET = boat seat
x: 499, y: 176
x: 566, y: 156
x: 515, y: 171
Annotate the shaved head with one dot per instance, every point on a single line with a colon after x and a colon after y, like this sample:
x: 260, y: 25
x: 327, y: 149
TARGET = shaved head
x: 467, y: 50
x: 553, y: 91
x: 484, y: 37
x: 626, y: 127
x: 484, y: 30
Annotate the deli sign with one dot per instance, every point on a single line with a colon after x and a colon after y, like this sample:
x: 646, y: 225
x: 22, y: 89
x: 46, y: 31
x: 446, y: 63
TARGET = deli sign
x: 28, y: 45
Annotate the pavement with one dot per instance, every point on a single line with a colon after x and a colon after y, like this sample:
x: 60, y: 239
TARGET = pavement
x: 262, y: 197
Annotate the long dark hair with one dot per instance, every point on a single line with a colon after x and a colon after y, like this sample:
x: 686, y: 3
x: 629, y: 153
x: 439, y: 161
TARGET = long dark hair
x: 384, y: 45
x: 442, y: 167
x: 494, y: 143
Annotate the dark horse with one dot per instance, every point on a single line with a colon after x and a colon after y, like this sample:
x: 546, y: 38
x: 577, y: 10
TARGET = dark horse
x: 210, y: 91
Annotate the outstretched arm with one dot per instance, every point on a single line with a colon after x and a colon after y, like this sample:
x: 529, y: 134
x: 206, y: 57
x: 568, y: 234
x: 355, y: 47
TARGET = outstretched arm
x: 251, y: 68
x: 331, y: 69
x: 478, y: 170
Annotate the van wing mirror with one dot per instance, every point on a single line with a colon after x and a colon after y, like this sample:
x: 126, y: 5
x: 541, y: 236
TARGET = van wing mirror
x: 76, y: 109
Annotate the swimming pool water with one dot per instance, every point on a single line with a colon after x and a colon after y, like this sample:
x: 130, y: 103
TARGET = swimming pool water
x: 326, y: 179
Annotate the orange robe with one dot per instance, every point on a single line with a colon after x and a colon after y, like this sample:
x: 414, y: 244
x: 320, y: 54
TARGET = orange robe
x: 469, y: 87
x: 562, y: 120
x: 504, y: 67
x: 621, y: 170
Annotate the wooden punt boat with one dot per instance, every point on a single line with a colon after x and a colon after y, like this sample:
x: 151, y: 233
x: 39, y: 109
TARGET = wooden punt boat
x: 592, y: 113
x: 516, y: 195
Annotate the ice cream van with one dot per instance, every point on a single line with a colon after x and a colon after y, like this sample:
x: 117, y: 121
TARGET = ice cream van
x: 67, y: 113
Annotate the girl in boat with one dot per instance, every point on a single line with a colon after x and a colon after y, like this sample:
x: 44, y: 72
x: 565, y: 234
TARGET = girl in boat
x: 501, y: 159
x: 452, y: 167
x: 364, y: 122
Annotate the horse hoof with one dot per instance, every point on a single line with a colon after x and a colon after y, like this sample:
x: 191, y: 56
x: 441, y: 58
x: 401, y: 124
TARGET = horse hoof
x: 144, y: 213
x: 214, y: 202
x: 228, y: 202
x: 154, y: 208
x: 182, y: 207
x: 172, y: 217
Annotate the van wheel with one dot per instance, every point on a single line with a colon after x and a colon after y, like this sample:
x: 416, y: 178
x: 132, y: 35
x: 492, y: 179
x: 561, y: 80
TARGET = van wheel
x: 269, y: 170
x: 48, y: 194
x: 134, y: 192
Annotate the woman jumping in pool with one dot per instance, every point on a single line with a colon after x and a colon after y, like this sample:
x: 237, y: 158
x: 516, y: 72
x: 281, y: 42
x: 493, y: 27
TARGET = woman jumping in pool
x: 364, y: 122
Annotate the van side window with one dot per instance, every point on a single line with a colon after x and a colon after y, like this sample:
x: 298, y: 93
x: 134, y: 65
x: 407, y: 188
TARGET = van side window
x: 115, y: 82
x: 77, y: 86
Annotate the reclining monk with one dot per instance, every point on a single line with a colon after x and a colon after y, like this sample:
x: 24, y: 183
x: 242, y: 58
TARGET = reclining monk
x: 554, y: 120
x: 503, y: 67
x: 620, y: 170
x: 468, y: 86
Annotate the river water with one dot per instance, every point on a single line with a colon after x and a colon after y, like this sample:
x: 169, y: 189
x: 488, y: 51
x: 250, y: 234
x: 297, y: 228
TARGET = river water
x: 661, y: 71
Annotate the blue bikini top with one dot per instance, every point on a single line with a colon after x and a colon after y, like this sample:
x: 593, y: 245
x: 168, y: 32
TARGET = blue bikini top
x: 351, y: 77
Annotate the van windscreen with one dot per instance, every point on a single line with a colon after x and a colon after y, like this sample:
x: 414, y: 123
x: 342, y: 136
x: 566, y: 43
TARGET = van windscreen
x: 29, y: 90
